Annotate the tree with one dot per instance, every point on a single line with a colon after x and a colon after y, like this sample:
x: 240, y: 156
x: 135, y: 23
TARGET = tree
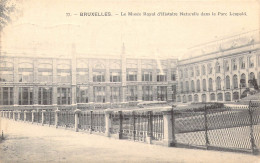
x: 6, y: 8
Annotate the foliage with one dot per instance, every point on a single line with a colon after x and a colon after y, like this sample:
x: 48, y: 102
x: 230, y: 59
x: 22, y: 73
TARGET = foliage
x: 6, y: 8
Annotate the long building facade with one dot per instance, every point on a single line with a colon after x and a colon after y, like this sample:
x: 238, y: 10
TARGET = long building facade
x: 220, y: 73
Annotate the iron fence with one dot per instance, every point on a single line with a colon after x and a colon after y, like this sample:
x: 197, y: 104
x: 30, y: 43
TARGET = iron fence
x: 66, y: 119
x: 92, y: 121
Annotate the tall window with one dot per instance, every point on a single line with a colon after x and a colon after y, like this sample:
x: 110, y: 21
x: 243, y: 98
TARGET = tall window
x: 196, y: 98
x: 251, y: 78
x: 235, y: 82
x: 64, y: 96
x: 190, y: 98
x: 132, y: 93
x: 173, y: 76
x: 115, y: 94
x: 162, y: 93
x: 198, y: 85
x: 203, y: 98
x: 217, y: 67
x: 234, y: 64
x: 227, y: 96
x: 210, y: 85
x: 203, y: 70
x: 191, y: 72
x: 6, y: 72
x: 131, y: 76
x: 147, y: 76
x: 115, y: 76
x: 235, y: 96
x: 250, y: 62
x: 147, y: 93
x: 82, y: 71
x: 212, y: 97
x: 227, y: 82
x: 161, y: 77
x: 6, y: 96
x: 25, y: 72
x: 204, y: 85
x: 99, y: 76
x: 220, y: 96
x: 192, y: 86
x: 45, y: 73
x: 186, y: 72
x: 197, y: 71
x: 187, y: 86
x: 82, y: 94
x: 99, y: 94
x: 45, y: 96
x: 218, y: 83
x: 242, y: 63
x: 181, y: 87
x: 25, y: 96
x: 209, y: 68
x: 226, y: 65
x: 181, y: 74
x: 243, y: 80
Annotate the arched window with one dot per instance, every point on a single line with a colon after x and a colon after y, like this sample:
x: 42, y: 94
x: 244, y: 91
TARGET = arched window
x: 212, y: 97
x: 220, y: 97
x: 187, y: 86
x: 191, y: 72
x: 209, y: 68
x: 203, y: 98
x: 203, y: 70
x: 227, y: 96
x: 218, y: 82
x: 235, y: 96
x: 190, y: 98
x: 198, y: 85
x: 204, y: 85
x: 235, y: 83
x: 217, y: 67
x: 184, y: 100
x: 178, y: 98
x: 196, y: 98
x: 181, y: 85
x: 243, y: 80
x: 192, y: 86
x: 227, y: 82
x: 251, y: 80
x: 210, y: 85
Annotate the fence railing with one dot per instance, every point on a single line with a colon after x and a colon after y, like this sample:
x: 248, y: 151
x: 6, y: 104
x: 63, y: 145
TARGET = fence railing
x: 211, y: 127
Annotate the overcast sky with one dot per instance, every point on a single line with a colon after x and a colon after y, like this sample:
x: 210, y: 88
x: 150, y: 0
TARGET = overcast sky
x: 43, y: 27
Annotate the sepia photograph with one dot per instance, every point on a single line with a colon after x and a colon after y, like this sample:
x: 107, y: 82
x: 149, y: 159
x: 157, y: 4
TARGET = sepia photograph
x: 85, y: 81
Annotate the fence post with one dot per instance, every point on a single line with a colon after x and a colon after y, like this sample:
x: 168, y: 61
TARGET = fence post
x: 18, y: 115
x: 120, y: 131
x: 174, y: 142
x: 150, y: 127
x: 57, y: 117
x: 108, y: 121
x: 91, y: 121
x: 206, y: 126
x: 43, y: 116
x: 14, y: 115
x: 252, y: 139
x: 33, y: 115
x: 167, y: 127
x: 76, y: 112
x: 25, y: 113
x: 9, y: 116
x: 134, y: 128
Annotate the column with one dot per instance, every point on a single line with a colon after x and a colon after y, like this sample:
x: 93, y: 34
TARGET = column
x: 77, y: 112
x: 139, y: 93
x: 35, y: 80
x: 73, y: 78
x: 57, y: 117
x: 16, y: 80
x: 108, y: 93
x: 108, y: 121
x: 25, y: 112
x: 168, y: 139
x: 54, y: 81
x: 33, y: 115
x: 43, y: 117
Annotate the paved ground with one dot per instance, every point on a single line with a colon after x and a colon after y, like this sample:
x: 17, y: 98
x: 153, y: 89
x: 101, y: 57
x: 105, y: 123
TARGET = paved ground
x: 27, y: 142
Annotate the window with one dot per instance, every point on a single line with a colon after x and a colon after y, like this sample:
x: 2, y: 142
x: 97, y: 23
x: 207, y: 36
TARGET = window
x: 235, y: 82
x: 242, y: 63
x: 131, y: 76
x: 203, y: 70
x: 25, y: 71
x: 192, y: 86
x: 187, y: 86
x: 63, y: 73
x: 217, y: 67
x: 45, y: 96
x: 25, y: 96
x: 178, y: 98
x: 190, y: 98
x: 162, y: 93
x: 220, y: 97
x: 198, y: 85
x: 252, y: 80
x: 250, y: 62
x: 99, y: 94
x: 6, y: 96
x: 99, y: 76
x: 82, y: 75
x: 184, y: 100
x: 6, y: 72
x: 173, y: 76
x: 45, y: 73
x: 147, y: 93
x: 210, y: 85
x: 82, y: 94
x: 186, y: 72
x: 115, y: 76
x: 209, y: 68
x: 204, y: 85
x: 174, y: 92
x: 181, y: 87
x: 115, y: 94
x: 203, y: 98
x: 147, y: 76
x: 196, y: 98
x: 132, y: 93
x: 234, y: 64
x: 226, y: 66
x: 197, y: 70
x: 63, y: 96
x: 191, y: 72
x: 212, y: 97
x: 227, y: 82
x: 227, y: 96
x: 235, y: 96
x: 181, y: 74
x: 243, y: 80
x: 218, y: 83
x: 161, y: 77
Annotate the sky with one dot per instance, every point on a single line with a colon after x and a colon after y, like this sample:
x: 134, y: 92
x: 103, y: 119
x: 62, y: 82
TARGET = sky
x: 42, y: 28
